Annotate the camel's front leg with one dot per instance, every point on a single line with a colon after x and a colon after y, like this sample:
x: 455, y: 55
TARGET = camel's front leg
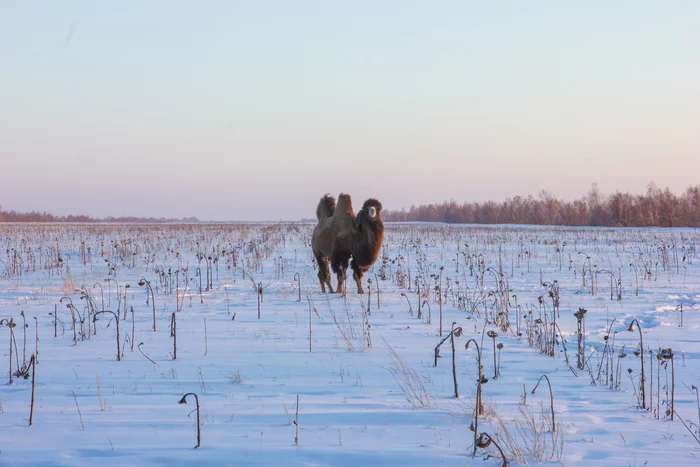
x: 340, y: 266
x: 357, y: 274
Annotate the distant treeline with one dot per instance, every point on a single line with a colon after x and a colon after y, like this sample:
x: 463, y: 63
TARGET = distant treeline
x: 12, y: 216
x: 655, y: 208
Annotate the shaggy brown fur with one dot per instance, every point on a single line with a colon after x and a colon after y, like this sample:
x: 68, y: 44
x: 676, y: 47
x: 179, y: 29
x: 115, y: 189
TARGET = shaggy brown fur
x: 325, y: 208
x: 367, y: 241
x: 341, y: 235
x: 334, y: 220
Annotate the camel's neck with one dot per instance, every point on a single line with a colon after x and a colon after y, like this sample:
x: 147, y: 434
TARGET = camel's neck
x: 368, y: 242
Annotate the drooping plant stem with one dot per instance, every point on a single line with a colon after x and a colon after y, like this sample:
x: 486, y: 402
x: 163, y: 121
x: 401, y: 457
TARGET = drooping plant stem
x: 376, y: 281
x: 310, y: 331
x: 11, y: 325
x: 173, y: 334
x: 642, y: 379
x: 32, y: 363
x: 144, y: 282
x: 116, y: 318
x: 551, y: 398
x: 479, y: 409
x: 296, y: 423
x: 484, y: 440
x: 442, y: 268
x: 196, y: 400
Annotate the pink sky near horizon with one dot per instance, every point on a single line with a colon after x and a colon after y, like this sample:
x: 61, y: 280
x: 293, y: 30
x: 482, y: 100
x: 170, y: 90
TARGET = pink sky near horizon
x: 251, y: 111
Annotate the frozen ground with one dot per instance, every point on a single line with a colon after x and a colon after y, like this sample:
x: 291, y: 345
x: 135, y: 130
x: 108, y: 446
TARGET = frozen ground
x: 356, y: 407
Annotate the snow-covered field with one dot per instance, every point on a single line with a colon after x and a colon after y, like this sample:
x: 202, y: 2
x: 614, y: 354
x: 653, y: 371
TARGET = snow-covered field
x: 368, y: 391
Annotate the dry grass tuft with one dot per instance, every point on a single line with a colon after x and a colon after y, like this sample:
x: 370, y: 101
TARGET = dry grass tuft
x: 410, y: 383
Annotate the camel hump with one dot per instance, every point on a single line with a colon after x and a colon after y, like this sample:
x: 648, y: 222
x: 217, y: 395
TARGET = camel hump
x: 344, y: 205
x: 325, y: 208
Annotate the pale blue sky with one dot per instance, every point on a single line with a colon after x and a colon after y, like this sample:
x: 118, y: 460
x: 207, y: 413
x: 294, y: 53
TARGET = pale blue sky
x: 251, y: 110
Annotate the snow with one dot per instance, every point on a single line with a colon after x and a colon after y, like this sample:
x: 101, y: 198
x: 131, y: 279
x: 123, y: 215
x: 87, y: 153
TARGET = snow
x: 248, y: 372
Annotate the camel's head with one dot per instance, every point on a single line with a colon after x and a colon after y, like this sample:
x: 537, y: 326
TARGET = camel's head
x: 371, y: 212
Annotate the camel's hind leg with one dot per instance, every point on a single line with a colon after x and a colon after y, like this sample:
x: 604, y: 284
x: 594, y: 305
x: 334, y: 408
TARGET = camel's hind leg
x: 324, y: 274
x: 357, y: 274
